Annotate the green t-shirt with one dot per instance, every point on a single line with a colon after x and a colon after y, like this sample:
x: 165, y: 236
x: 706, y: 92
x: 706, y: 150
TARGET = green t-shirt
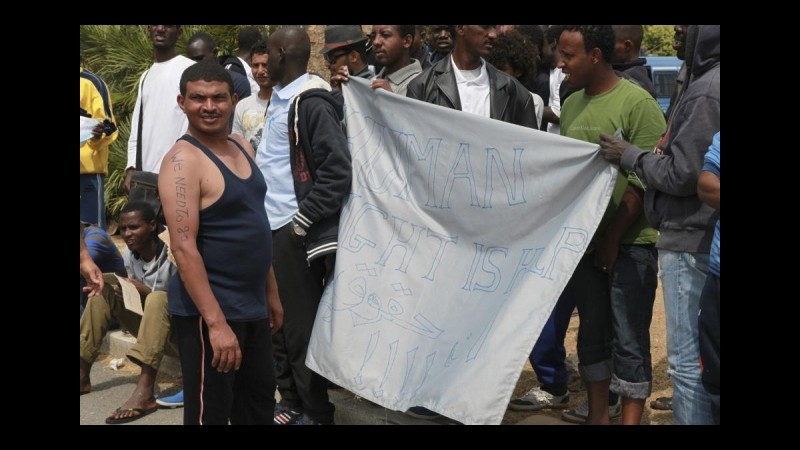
x: 632, y: 110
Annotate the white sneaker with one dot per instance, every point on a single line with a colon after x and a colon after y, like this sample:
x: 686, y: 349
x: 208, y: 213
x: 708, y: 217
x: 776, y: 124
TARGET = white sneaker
x: 537, y: 399
x: 581, y: 412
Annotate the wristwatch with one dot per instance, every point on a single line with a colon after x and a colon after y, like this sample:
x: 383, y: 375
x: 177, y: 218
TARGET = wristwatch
x: 298, y: 230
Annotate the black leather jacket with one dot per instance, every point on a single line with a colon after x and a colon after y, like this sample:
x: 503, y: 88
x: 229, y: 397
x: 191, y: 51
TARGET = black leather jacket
x: 509, y: 100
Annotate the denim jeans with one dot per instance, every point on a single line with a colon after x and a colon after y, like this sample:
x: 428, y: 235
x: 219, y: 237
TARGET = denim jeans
x: 93, y: 208
x: 633, y: 291
x: 683, y: 275
x: 548, y: 354
x: 589, y: 286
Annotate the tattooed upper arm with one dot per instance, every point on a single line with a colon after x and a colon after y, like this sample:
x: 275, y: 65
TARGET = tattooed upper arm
x: 179, y: 189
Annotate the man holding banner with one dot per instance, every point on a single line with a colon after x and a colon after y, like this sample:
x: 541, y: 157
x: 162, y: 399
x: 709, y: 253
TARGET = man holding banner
x: 465, y: 81
x: 615, y: 282
x: 454, y: 245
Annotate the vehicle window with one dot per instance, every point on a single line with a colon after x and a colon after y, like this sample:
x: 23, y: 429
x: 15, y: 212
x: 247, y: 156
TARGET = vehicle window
x: 664, y: 83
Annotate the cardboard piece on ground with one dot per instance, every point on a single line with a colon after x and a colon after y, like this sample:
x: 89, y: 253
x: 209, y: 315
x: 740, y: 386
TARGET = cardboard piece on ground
x: 130, y: 295
x: 164, y: 236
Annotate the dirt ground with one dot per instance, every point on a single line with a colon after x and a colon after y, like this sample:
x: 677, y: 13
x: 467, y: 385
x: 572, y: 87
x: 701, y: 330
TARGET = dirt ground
x: 661, y: 384
x: 658, y: 347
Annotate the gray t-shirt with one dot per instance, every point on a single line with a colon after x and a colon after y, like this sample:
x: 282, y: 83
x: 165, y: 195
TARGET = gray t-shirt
x: 154, y: 274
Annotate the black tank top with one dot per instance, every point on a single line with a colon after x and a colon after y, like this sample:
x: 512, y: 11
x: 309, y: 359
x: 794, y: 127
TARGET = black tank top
x: 235, y: 242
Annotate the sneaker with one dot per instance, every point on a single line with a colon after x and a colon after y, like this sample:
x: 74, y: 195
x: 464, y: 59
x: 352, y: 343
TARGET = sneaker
x: 285, y: 416
x: 579, y: 414
x: 418, y: 412
x: 173, y: 401
x: 537, y: 399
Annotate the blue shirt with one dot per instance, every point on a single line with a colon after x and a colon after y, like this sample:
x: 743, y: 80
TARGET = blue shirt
x: 272, y: 156
x: 711, y: 164
x: 103, y: 251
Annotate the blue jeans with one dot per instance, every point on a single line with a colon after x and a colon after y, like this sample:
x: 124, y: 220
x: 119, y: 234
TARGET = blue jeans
x: 548, y: 354
x: 633, y: 292
x: 93, y: 207
x: 683, y: 275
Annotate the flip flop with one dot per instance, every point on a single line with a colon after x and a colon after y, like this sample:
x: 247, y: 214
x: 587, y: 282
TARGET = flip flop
x: 111, y: 420
x: 662, y: 404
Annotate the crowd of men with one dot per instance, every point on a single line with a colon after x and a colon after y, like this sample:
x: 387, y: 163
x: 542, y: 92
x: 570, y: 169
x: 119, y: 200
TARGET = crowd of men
x: 253, y: 168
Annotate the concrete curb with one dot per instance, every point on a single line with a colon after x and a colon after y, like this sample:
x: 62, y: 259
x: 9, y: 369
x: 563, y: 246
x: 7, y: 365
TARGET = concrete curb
x: 117, y: 343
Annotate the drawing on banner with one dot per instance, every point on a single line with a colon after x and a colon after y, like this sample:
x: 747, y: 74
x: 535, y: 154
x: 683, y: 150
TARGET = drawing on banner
x: 373, y: 309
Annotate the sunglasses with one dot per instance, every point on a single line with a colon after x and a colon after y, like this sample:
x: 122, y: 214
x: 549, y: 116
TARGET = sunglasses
x: 331, y: 58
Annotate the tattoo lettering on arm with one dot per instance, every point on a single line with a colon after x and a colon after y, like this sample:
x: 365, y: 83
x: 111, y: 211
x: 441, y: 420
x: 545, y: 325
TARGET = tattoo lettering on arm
x: 177, y: 162
x: 182, y: 232
x: 181, y: 208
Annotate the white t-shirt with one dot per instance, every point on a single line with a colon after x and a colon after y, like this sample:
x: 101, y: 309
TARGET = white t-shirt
x: 473, y: 89
x: 249, y: 118
x: 556, y: 78
x: 250, y: 78
x: 164, y: 121
x: 539, y: 106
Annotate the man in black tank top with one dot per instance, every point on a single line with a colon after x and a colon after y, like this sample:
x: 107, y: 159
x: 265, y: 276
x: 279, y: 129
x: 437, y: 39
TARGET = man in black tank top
x: 224, y: 301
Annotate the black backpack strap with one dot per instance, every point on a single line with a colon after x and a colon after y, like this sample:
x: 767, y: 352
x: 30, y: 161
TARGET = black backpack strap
x: 141, y: 120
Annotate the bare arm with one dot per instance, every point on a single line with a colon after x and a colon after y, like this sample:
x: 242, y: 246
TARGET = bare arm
x: 552, y: 112
x: 630, y: 208
x: 708, y: 189
x: 90, y: 271
x: 342, y: 75
x: 550, y: 116
x: 381, y: 83
x: 144, y: 290
x: 179, y: 188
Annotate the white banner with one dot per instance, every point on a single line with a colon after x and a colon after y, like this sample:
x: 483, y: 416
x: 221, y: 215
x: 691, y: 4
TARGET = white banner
x: 458, y: 237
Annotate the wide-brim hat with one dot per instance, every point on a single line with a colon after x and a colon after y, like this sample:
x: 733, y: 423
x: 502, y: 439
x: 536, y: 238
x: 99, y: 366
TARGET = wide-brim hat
x: 341, y: 36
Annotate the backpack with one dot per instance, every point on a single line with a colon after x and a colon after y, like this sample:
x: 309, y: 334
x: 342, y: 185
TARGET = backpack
x: 305, y: 158
x: 233, y: 63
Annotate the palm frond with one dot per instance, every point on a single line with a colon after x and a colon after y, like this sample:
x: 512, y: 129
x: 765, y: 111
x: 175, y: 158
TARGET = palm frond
x: 119, y: 54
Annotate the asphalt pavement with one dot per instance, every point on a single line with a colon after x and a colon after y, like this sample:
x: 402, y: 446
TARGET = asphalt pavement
x: 110, y: 389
